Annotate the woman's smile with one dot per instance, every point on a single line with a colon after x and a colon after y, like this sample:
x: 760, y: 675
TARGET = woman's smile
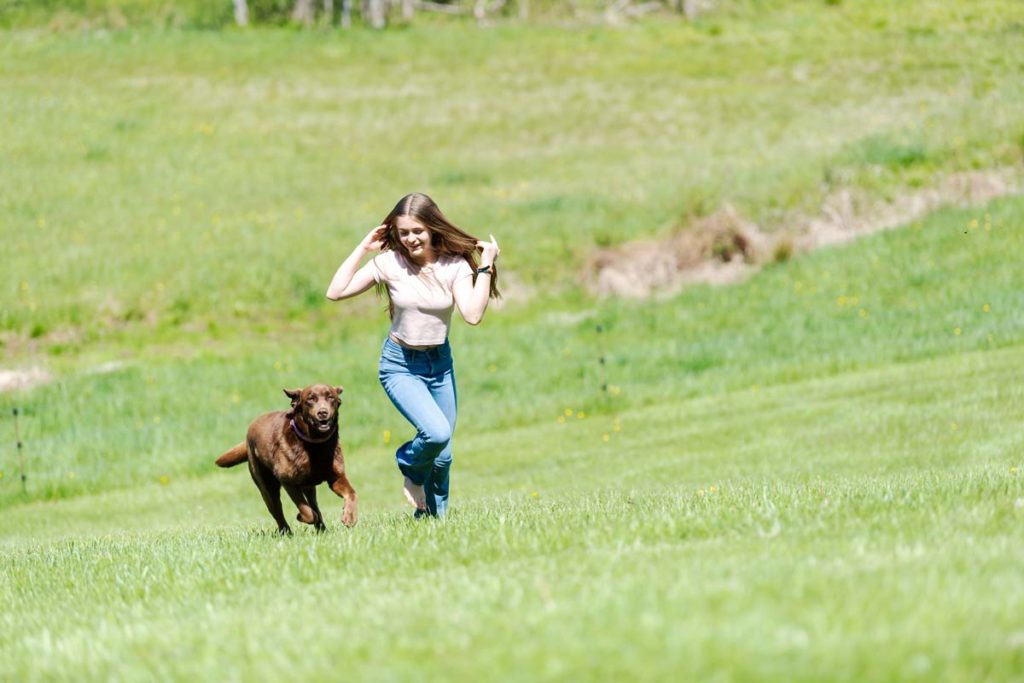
x: 414, y: 236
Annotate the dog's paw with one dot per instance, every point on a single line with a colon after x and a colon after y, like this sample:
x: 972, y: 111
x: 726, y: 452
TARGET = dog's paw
x: 349, y: 518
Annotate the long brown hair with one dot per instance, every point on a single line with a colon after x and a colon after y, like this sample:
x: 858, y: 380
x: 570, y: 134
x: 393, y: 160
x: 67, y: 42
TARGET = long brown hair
x: 446, y: 238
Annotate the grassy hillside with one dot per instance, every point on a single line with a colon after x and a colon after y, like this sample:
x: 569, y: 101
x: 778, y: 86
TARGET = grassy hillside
x: 931, y: 290
x: 813, y: 474
x: 777, y: 488
x: 167, y: 180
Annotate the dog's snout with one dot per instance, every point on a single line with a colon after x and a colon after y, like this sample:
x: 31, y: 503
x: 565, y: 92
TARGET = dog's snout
x: 323, y: 414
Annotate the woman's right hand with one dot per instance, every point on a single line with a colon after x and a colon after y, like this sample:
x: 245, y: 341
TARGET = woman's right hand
x: 374, y: 240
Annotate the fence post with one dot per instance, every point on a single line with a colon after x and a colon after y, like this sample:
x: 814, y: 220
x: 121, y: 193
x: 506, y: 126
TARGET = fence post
x: 21, y: 455
x: 602, y: 359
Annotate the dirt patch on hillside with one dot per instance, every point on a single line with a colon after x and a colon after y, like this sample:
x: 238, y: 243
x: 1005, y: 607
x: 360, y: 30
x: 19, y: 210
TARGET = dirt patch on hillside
x: 726, y: 247
x: 12, y: 380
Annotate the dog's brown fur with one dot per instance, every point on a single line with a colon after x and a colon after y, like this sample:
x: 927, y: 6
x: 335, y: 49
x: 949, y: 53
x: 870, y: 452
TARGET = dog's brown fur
x: 278, y: 456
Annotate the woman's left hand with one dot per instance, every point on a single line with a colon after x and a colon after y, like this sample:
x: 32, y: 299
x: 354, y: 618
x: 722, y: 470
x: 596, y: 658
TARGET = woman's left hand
x: 490, y: 251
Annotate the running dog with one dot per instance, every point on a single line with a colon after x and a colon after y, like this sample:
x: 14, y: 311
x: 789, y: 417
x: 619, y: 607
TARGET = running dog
x: 297, y: 449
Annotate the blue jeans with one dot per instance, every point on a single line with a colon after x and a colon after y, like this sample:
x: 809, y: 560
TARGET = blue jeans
x: 421, y: 384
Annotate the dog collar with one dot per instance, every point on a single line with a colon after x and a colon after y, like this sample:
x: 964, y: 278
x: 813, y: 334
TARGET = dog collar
x: 306, y: 438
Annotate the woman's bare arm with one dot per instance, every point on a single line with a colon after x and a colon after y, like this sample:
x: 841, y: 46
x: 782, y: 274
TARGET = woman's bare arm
x: 348, y: 281
x: 472, y: 298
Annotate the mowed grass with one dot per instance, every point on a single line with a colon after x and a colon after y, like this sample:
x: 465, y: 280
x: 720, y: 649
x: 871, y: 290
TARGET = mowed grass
x: 866, y: 526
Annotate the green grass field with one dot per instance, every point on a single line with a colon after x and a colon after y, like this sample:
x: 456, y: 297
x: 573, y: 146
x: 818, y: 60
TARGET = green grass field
x: 815, y: 474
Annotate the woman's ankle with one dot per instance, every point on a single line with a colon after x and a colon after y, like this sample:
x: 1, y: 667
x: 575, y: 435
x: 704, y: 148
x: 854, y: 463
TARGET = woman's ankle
x: 415, y: 494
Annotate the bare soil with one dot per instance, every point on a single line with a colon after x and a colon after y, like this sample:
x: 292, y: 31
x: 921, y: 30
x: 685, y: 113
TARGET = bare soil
x: 11, y: 380
x: 725, y: 247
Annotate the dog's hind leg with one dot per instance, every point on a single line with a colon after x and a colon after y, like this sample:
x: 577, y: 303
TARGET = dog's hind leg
x: 270, y: 489
x: 306, y: 513
x: 310, y: 492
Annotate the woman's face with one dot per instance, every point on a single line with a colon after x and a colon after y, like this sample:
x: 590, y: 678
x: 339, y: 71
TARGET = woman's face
x: 414, y: 236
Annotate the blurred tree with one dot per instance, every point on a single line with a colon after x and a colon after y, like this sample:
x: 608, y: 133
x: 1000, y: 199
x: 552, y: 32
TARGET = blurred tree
x: 241, y: 12
x: 376, y: 12
x: 303, y: 12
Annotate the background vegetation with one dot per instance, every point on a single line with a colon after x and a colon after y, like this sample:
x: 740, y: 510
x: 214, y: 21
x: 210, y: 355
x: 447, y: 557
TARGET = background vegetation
x: 811, y: 474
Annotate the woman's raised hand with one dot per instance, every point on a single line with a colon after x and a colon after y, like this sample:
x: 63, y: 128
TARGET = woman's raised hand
x: 374, y: 240
x: 490, y: 251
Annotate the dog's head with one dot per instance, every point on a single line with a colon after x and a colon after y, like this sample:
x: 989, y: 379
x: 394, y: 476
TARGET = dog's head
x: 317, y: 406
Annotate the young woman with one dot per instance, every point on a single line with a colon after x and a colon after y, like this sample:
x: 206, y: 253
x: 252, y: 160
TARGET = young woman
x: 426, y: 267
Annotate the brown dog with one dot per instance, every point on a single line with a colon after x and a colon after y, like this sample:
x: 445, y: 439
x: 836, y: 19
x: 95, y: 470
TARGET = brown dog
x: 297, y: 449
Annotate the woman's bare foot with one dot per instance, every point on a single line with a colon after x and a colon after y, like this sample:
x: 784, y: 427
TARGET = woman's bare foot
x: 414, y: 494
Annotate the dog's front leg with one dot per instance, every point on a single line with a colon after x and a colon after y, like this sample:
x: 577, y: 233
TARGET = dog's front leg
x: 339, y: 484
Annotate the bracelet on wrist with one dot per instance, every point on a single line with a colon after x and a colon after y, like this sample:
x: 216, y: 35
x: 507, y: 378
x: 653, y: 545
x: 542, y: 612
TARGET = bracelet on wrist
x: 483, y: 270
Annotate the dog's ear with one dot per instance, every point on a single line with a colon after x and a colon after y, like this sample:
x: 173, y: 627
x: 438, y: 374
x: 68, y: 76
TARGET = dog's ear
x: 339, y: 389
x: 294, y: 395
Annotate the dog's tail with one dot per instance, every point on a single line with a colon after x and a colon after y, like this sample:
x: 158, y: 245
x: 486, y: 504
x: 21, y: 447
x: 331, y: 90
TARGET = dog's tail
x: 235, y: 456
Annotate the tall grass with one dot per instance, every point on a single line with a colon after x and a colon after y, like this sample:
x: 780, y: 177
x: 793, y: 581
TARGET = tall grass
x: 182, y: 180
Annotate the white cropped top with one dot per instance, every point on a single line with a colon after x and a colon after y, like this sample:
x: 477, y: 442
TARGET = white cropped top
x: 422, y: 296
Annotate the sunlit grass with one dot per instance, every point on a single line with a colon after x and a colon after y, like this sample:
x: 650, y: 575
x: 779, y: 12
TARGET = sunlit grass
x: 217, y: 179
